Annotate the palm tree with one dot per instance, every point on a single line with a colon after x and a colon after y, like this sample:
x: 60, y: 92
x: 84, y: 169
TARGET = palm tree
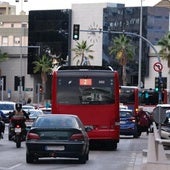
x: 44, y: 66
x: 123, y: 51
x: 3, y: 57
x: 165, y: 48
x: 82, y: 50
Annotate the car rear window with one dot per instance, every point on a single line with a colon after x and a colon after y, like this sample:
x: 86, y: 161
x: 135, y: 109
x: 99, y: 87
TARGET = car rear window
x: 125, y: 114
x: 52, y: 122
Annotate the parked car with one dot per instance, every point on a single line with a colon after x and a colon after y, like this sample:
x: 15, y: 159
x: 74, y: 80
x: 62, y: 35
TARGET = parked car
x: 165, y: 131
x: 128, y: 125
x: 33, y: 114
x: 6, y: 107
x: 165, y: 127
x: 57, y: 135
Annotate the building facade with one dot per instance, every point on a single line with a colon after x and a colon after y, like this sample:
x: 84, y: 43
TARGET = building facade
x: 14, y: 42
x: 50, y: 32
x: 114, y: 18
x: 7, y: 9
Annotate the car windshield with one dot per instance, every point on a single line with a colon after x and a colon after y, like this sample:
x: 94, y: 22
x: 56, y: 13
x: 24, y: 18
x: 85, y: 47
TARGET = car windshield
x: 56, y: 122
x: 6, y: 106
x: 35, y: 113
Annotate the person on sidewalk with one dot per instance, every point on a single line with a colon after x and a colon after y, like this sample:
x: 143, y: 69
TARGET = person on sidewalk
x: 143, y: 121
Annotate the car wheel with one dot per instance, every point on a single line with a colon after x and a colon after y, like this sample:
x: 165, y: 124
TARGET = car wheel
x: 82, y: 159
x: 29, y: 158
x: 113, y: 146
x: 87, y: 156
x: 136, y: 135
x: 9, y: 138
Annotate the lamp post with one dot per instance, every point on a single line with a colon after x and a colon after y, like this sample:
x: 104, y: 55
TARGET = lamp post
x: 140, y: 47
x: 20, y: 97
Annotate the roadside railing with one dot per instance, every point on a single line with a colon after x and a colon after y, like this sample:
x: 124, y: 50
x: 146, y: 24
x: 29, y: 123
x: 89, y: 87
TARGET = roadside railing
x: 156, y: 155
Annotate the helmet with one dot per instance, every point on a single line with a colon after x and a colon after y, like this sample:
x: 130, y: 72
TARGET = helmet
x: 18, y: 106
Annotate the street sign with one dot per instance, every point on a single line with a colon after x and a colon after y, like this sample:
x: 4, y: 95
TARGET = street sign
x: 159, y: 118
x: 158, y: 67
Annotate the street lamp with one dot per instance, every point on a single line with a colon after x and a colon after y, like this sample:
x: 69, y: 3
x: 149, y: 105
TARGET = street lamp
x: 20, y: 97
x: 140, y: 47
x: 21, y: 54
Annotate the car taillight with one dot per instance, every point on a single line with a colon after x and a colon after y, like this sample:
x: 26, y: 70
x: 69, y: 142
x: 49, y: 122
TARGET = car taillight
x: 17, y: 126
x: 132, y: 119
x: 32, y: 136
x: 77, y: 137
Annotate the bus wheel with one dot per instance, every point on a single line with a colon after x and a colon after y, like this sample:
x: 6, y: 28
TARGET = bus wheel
x: 114, y: 146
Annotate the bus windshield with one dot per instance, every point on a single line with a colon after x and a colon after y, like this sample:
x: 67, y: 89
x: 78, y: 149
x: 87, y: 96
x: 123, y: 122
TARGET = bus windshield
x: 78, y: 90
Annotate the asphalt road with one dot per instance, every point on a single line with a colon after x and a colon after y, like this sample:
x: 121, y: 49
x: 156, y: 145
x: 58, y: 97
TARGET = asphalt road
x: 127, y: 157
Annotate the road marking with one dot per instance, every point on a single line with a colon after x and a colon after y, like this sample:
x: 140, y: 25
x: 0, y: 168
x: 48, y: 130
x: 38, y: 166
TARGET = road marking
x: 12, y: 167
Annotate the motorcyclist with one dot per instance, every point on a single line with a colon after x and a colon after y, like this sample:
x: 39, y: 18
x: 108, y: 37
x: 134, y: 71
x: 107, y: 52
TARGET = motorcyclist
x: 18, y: 117
x: 2, y: 115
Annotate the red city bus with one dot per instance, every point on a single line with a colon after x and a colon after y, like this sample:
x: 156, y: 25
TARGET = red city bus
x: 91, y: 93
x: 129, y: 95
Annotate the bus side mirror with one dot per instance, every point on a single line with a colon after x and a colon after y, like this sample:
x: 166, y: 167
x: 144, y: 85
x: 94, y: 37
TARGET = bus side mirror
x: 88, y: 129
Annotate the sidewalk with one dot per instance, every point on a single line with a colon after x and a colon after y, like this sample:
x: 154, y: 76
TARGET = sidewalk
x: 141, y: 162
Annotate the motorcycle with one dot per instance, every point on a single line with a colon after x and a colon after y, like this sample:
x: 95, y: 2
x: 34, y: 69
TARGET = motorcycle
x: 19, y: 137
x: 17, y: 133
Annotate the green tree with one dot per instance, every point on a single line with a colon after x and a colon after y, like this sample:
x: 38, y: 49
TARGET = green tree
x: 82, y: 50
x: 165, y: 48
x: 3, y: 57
x: 124, y: 51
x: 43, y: 65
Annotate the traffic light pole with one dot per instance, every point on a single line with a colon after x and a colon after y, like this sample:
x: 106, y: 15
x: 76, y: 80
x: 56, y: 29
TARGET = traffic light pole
x: 38, y: 94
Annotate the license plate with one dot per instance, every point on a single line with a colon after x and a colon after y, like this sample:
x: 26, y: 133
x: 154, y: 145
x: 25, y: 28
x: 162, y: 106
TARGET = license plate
x: 55, y: 148
x: 17, y: 130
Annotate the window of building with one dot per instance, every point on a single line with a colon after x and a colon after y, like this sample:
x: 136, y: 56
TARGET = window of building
x: 4, y: 41
x: 16, y: 40
x: 17, y: 83
x: 24, y: 25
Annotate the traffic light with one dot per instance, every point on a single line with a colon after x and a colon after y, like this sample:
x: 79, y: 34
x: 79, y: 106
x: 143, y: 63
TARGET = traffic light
x: 76, y: 30
x: 157, y: 84
x: 146, y: 95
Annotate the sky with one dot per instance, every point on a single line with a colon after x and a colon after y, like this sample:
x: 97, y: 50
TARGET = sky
x: 66, y: 4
